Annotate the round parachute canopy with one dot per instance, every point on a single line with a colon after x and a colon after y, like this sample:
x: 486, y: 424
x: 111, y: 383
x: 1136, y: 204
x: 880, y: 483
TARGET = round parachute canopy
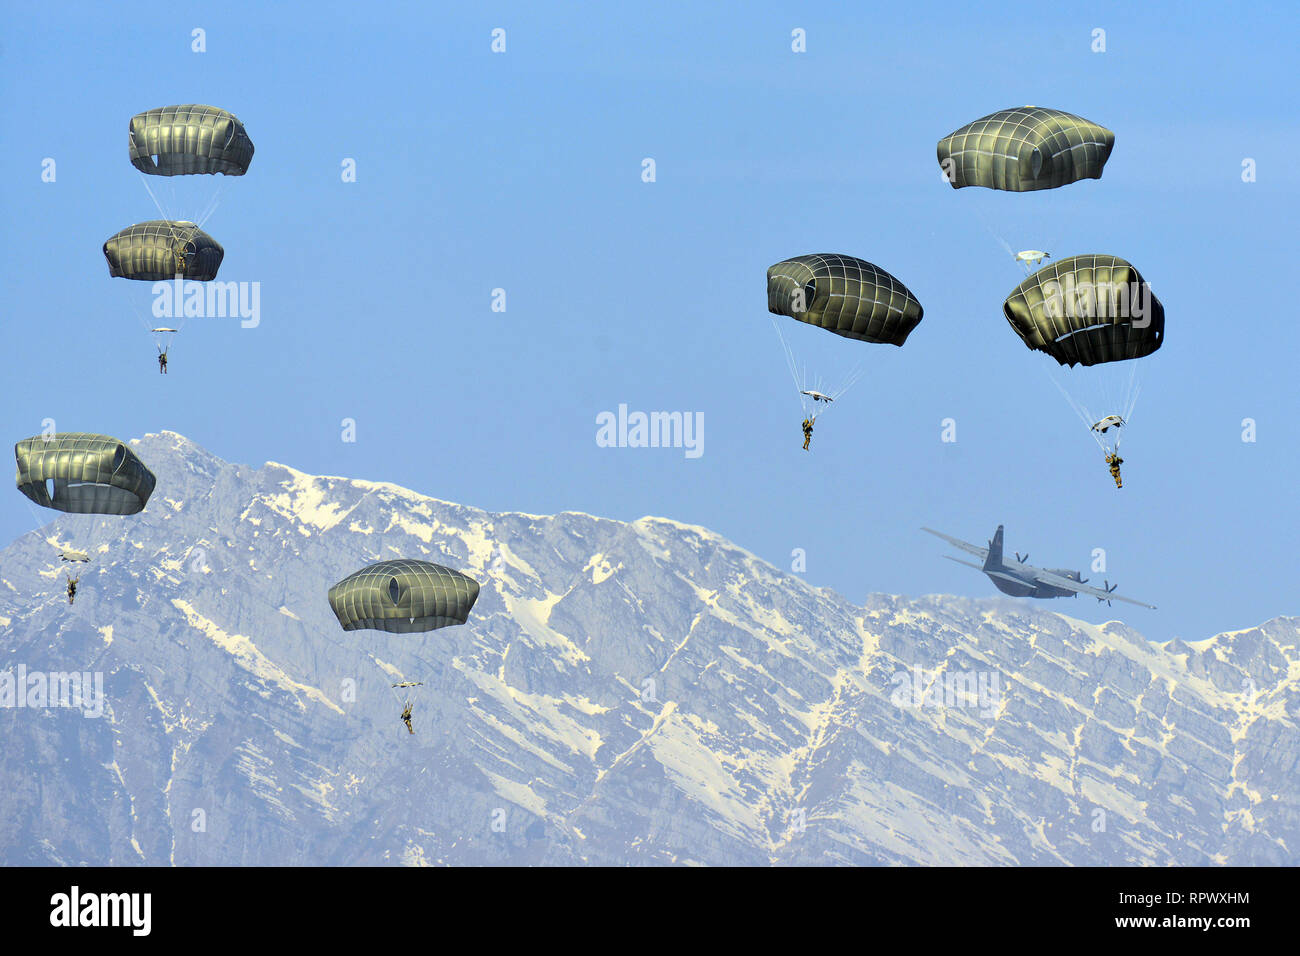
x: 843, y: 295
x: 161, y: 249
x: 81, y: 473
x: 1024, y: 149
x: 1086, y: 310
x: 403, y: 596
x: 189, y: 139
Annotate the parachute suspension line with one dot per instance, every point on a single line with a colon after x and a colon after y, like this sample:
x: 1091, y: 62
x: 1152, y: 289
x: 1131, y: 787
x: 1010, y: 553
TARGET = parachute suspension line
x: 149, y: 189
x: 1001, y: 241
x: 79, y: 540
x: 855, y: 375
x: 811, y: 407
x: 402, y: 695
x: 996, y: 235
x: 162, y: 340
x: 1085, y: 415
x: 215, y: 202
x: 208, y: 211
x: 794, y: 371
x: 1081, y: 410
x: 1125, y: 399
x: 87, y: 540
x: 388, y: 679
x: 385, y: 672
x: 36, y: 519
x: 178, y: 308
x: 135, y: 307
x: 789, y: 355
x: 1029, y: 267
x: 1118, y: 388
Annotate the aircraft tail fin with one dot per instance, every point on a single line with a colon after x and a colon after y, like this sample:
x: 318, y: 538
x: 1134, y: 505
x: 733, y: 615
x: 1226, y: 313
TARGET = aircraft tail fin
x: 994, y: 559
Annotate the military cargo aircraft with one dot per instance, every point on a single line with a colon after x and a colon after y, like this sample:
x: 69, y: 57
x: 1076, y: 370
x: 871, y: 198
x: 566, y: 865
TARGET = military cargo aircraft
x: 1024, y: 580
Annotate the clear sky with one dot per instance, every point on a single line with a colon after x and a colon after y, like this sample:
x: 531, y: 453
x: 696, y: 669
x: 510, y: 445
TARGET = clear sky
x: 522, y: 171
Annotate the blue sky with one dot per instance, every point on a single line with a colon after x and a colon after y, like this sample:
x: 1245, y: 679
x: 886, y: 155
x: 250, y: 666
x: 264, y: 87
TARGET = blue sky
x: 522, y: 171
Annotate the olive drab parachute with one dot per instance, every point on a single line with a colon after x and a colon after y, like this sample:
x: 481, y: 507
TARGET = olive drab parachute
x: 1024, y: 149
x: 847, y: 296
x: 81, y: 473
x: 1087, y: 310
x: 844, y: 295
x: 1092, y: 310
x: 162, y: 249
x: 189, y: 139
x: 403, y: 596
x: 184, y: 145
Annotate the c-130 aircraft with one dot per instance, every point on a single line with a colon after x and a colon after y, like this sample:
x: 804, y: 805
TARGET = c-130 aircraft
x: 1024, y: 580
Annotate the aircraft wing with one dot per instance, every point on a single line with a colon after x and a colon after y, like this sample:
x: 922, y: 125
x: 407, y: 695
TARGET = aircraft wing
x: 1058, y: 581
x: 966, y: 546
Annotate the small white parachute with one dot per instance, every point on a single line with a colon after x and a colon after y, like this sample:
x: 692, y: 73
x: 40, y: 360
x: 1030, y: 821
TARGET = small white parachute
x: 1109, y: 432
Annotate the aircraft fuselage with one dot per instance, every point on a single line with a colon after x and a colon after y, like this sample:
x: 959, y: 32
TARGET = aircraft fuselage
x: 1007, y: 581
x: 1019, y: 579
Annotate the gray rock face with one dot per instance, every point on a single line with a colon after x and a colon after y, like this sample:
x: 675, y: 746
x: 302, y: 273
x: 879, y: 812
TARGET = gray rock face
x: 622, y: 694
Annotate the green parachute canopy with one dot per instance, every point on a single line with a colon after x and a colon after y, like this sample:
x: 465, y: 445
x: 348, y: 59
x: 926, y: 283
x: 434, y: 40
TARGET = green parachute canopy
x: 403, y: 596
x: 1024, y: 149
x: 844, y: 295
x: 162, y: 249
x: 1086, y: 310
x: 189, y: 139
x: 82, y: 473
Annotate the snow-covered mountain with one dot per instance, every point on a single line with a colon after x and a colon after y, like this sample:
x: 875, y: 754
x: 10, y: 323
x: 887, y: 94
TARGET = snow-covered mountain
x: 623, y: 693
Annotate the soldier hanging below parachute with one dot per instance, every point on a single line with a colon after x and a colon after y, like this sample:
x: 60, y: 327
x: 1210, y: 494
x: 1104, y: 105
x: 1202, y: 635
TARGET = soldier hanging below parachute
x: 403, y: 596
x: 1091, y: 310
x: 847, y: 296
